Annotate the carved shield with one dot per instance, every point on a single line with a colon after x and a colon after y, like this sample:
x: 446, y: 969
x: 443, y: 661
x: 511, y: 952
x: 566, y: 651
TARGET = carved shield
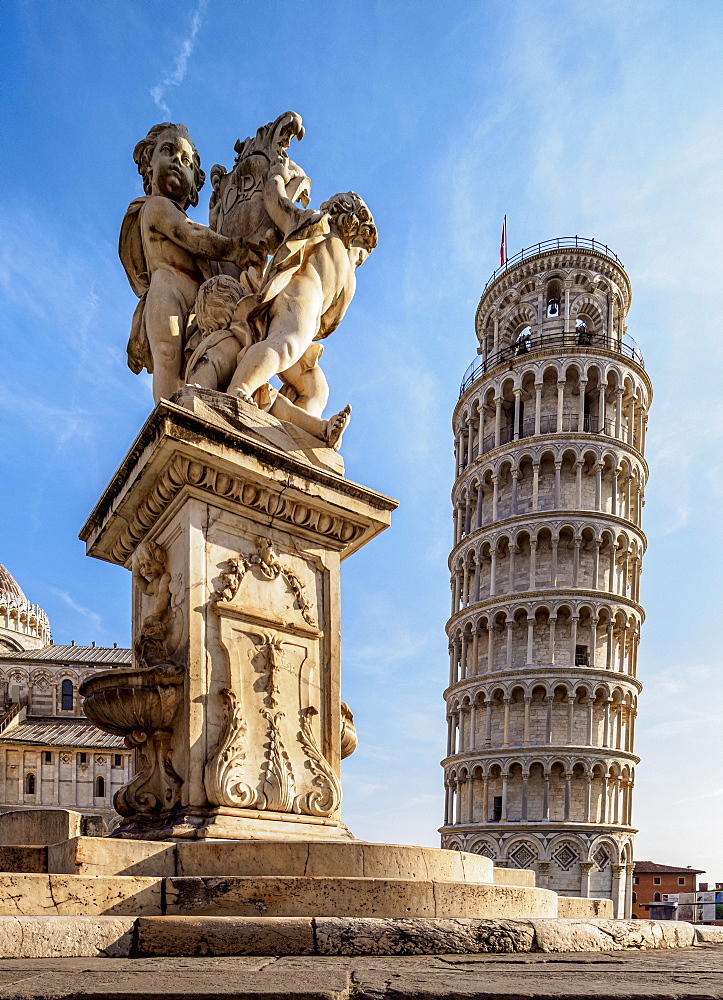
x: 237, y: 203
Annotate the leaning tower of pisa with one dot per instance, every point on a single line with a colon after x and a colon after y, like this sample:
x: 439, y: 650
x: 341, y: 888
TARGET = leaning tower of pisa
x: 550, y: 475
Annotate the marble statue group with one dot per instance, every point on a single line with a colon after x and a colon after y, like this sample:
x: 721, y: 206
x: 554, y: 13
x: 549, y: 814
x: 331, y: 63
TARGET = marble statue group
x: 229, y: 306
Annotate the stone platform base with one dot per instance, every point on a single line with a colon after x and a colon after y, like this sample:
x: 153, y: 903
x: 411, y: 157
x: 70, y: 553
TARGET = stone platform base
x: 328, y: 859
x: 266, y: 895
x: 286, y: 879
x: 228, y: 824
x: 146, y: 937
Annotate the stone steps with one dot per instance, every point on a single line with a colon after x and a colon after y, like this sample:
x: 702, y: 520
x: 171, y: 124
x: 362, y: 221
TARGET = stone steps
x: 266, y: 895
x: 358, y: 859
x: 110, y: 937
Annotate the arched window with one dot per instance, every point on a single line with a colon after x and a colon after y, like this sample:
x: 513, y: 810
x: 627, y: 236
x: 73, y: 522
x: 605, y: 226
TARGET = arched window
x: 30, y: 784
x: 656, y: 897
x: 66, y: 696
x: 100, y: 787
x: 523, y: 341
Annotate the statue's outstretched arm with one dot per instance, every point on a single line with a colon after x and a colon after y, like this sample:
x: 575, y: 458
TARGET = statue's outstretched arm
x: 197, y: 239
x: 284, y: 213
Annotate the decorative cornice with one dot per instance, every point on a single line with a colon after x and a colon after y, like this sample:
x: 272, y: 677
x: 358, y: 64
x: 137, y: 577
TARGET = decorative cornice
x: 289, y: 496
x: 513, y: 754
x: 184, y: 472
x: 552, y: 674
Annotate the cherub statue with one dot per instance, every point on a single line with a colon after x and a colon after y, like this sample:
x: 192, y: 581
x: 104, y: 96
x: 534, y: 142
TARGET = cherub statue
x: 302, y: 298
x: 165, y: 255
x: 222, y: 341
x: 160, y: 632
x: 306, y: 290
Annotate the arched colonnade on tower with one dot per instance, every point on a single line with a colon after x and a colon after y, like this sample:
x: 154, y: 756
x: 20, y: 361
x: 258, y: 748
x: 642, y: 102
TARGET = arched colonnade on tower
x: 551, y: 396
x: 571, y: 475
x: 536, y: 713
x: 540, y: 789
x: 545, y: 633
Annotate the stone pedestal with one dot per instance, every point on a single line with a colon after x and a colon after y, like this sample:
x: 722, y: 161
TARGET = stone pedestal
x: 234, y: 701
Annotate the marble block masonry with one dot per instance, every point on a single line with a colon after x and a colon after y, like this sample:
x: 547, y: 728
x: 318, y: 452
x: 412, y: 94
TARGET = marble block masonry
x: 239, y: 733
x: 546, y: 566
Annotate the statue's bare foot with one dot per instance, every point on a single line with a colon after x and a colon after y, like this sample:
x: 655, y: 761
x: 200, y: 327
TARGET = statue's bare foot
x: 335, y: 427
x: 242, y: 394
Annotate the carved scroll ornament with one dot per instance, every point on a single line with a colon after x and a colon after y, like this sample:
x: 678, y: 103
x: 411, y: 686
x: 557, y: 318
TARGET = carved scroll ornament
x: 265, y: 561
x: 229, y: 777
x: 223, y: 776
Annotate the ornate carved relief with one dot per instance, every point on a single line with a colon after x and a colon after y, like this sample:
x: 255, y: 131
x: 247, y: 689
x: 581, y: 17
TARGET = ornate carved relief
x: 223, y: 775
x: 566, y: 856
x: 523, y: 855
x: 325, y: 797
x: 183, y: 472
x: 263, y: 761
x: 279, y: 788
x: 266, y: 562
x: 160, y: 633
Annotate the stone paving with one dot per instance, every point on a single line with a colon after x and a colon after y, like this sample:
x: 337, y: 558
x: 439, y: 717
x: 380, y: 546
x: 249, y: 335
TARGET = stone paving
x: 675, y: 974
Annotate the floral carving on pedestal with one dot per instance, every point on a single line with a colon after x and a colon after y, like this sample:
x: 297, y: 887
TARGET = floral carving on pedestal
x: 279, y: 788
x: 223, y: 773
x: 265, y: 561
x: 325, y: 797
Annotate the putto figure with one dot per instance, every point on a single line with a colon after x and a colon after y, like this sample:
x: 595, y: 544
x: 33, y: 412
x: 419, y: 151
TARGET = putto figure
x: 302, y: 298
x: 165, y: 255
x: 221, y: 343
x: 160, y: 632
x: 306, y: 290
x: 212, y: 312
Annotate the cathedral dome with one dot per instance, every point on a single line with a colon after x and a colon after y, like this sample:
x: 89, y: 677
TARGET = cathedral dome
x: 22, y: 625
x: 10, y: 588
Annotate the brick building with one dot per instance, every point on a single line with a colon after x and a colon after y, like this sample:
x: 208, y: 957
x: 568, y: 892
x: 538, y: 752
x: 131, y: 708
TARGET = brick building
x: 651, y: 881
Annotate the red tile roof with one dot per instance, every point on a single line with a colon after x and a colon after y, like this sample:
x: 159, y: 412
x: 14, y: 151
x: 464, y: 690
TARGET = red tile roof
x: 643, y: 867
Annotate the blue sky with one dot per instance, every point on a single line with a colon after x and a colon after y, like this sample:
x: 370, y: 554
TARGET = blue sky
x: 602, y: 119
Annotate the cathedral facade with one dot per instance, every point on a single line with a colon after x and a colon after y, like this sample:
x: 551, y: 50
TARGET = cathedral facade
x: 50, y: 754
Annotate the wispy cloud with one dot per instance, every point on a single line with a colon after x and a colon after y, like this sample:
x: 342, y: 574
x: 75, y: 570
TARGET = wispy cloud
x: 91, y: 617
x: 697, y: 798
x: 173, y: 79
x: 62, y: 424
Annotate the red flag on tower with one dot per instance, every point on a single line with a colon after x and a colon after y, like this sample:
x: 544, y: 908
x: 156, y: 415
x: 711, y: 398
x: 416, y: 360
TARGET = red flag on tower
x: 503, y: 244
